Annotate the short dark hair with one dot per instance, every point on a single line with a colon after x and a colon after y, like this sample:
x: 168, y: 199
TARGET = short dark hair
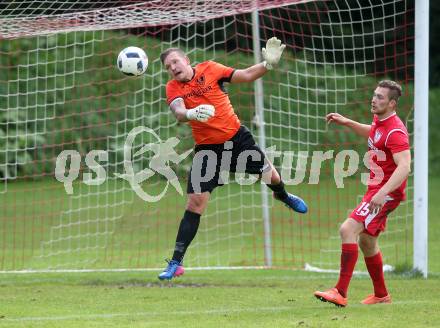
x: 394, y: 87
x: 165, y: 54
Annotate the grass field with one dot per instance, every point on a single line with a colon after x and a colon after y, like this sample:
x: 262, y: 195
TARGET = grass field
x: 228, y: 298
x: 263, y: 298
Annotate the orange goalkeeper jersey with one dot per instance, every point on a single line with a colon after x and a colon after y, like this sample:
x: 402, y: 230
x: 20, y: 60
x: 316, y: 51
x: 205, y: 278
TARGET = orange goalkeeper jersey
x: 206, y: 87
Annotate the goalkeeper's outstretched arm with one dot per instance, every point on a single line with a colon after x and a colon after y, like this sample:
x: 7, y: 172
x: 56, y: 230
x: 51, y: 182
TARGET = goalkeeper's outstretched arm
x: 249, y: 74
x: 271, y: 54
x: 201, y: 113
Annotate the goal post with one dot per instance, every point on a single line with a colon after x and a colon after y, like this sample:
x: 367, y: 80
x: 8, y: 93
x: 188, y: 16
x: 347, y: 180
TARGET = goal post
x: 259, y: 119
x: 73, y: 131
x: 421, y: 141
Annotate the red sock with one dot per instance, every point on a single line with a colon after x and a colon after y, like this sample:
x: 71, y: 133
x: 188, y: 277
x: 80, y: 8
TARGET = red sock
x: 349, y: 258
x: 375, y: 268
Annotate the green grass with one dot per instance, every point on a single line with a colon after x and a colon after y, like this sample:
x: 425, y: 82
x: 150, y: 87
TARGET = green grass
x: 242, y: 298
x: 213, y: 298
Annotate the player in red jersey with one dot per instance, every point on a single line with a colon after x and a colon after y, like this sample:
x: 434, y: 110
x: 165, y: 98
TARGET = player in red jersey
x: 390, y: 162
x: 197, y: 95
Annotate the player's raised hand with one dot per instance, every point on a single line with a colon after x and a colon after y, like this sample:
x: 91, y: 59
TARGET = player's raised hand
x: 336, y: 118
x: 273, y: 51
x: 201, y: 113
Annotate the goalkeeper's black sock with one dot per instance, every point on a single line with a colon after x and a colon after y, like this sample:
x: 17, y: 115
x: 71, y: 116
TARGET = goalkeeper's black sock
x: 279, y: 191
x: 187, y: 231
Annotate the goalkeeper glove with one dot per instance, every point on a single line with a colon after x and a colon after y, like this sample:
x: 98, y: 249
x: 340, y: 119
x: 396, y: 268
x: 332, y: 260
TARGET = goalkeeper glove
x: 272, y: 53
x: 200, y: 113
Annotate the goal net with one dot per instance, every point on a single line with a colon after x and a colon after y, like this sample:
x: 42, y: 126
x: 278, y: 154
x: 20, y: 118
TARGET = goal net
x: 72, y: 130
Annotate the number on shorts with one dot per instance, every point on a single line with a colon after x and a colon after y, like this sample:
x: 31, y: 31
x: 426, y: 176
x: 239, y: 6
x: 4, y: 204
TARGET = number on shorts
x: 363, y: 209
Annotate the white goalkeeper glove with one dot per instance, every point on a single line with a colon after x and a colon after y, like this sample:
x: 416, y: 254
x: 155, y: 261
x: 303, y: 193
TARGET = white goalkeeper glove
x: 272, y: 53
x: 200, y: 113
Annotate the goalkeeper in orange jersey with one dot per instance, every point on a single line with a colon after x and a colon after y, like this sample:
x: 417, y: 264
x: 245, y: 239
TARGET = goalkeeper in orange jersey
x: 197, y: 95
x: 390, y: 162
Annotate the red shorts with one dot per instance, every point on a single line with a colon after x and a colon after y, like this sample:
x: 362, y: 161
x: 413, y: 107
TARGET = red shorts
x: 374, y: 223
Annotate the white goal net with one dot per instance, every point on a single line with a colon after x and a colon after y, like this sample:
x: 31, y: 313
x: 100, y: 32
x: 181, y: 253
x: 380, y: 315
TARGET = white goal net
x: 63, y: 102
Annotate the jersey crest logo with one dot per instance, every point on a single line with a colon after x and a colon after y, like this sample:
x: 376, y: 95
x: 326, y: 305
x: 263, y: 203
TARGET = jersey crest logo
x: 201, y: 80
x: 377, y: 136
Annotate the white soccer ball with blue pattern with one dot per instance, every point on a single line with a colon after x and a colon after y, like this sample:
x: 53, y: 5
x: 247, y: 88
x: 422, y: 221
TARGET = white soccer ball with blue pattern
x: 132, y: 61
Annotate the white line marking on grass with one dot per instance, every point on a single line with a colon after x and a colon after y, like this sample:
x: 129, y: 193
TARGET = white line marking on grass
x: 177, y: 313
x: 308, y: 267
x: 134, y: 270
x: 149, y: 314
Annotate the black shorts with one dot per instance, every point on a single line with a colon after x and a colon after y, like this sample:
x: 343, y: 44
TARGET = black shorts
x: 239, y: 154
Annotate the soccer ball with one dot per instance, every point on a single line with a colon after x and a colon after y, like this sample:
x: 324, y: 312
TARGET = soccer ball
x: 132, y: 61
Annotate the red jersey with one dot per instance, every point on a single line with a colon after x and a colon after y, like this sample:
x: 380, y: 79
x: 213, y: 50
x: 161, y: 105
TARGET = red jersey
x: 389, y: 136
x: 206, y: 87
